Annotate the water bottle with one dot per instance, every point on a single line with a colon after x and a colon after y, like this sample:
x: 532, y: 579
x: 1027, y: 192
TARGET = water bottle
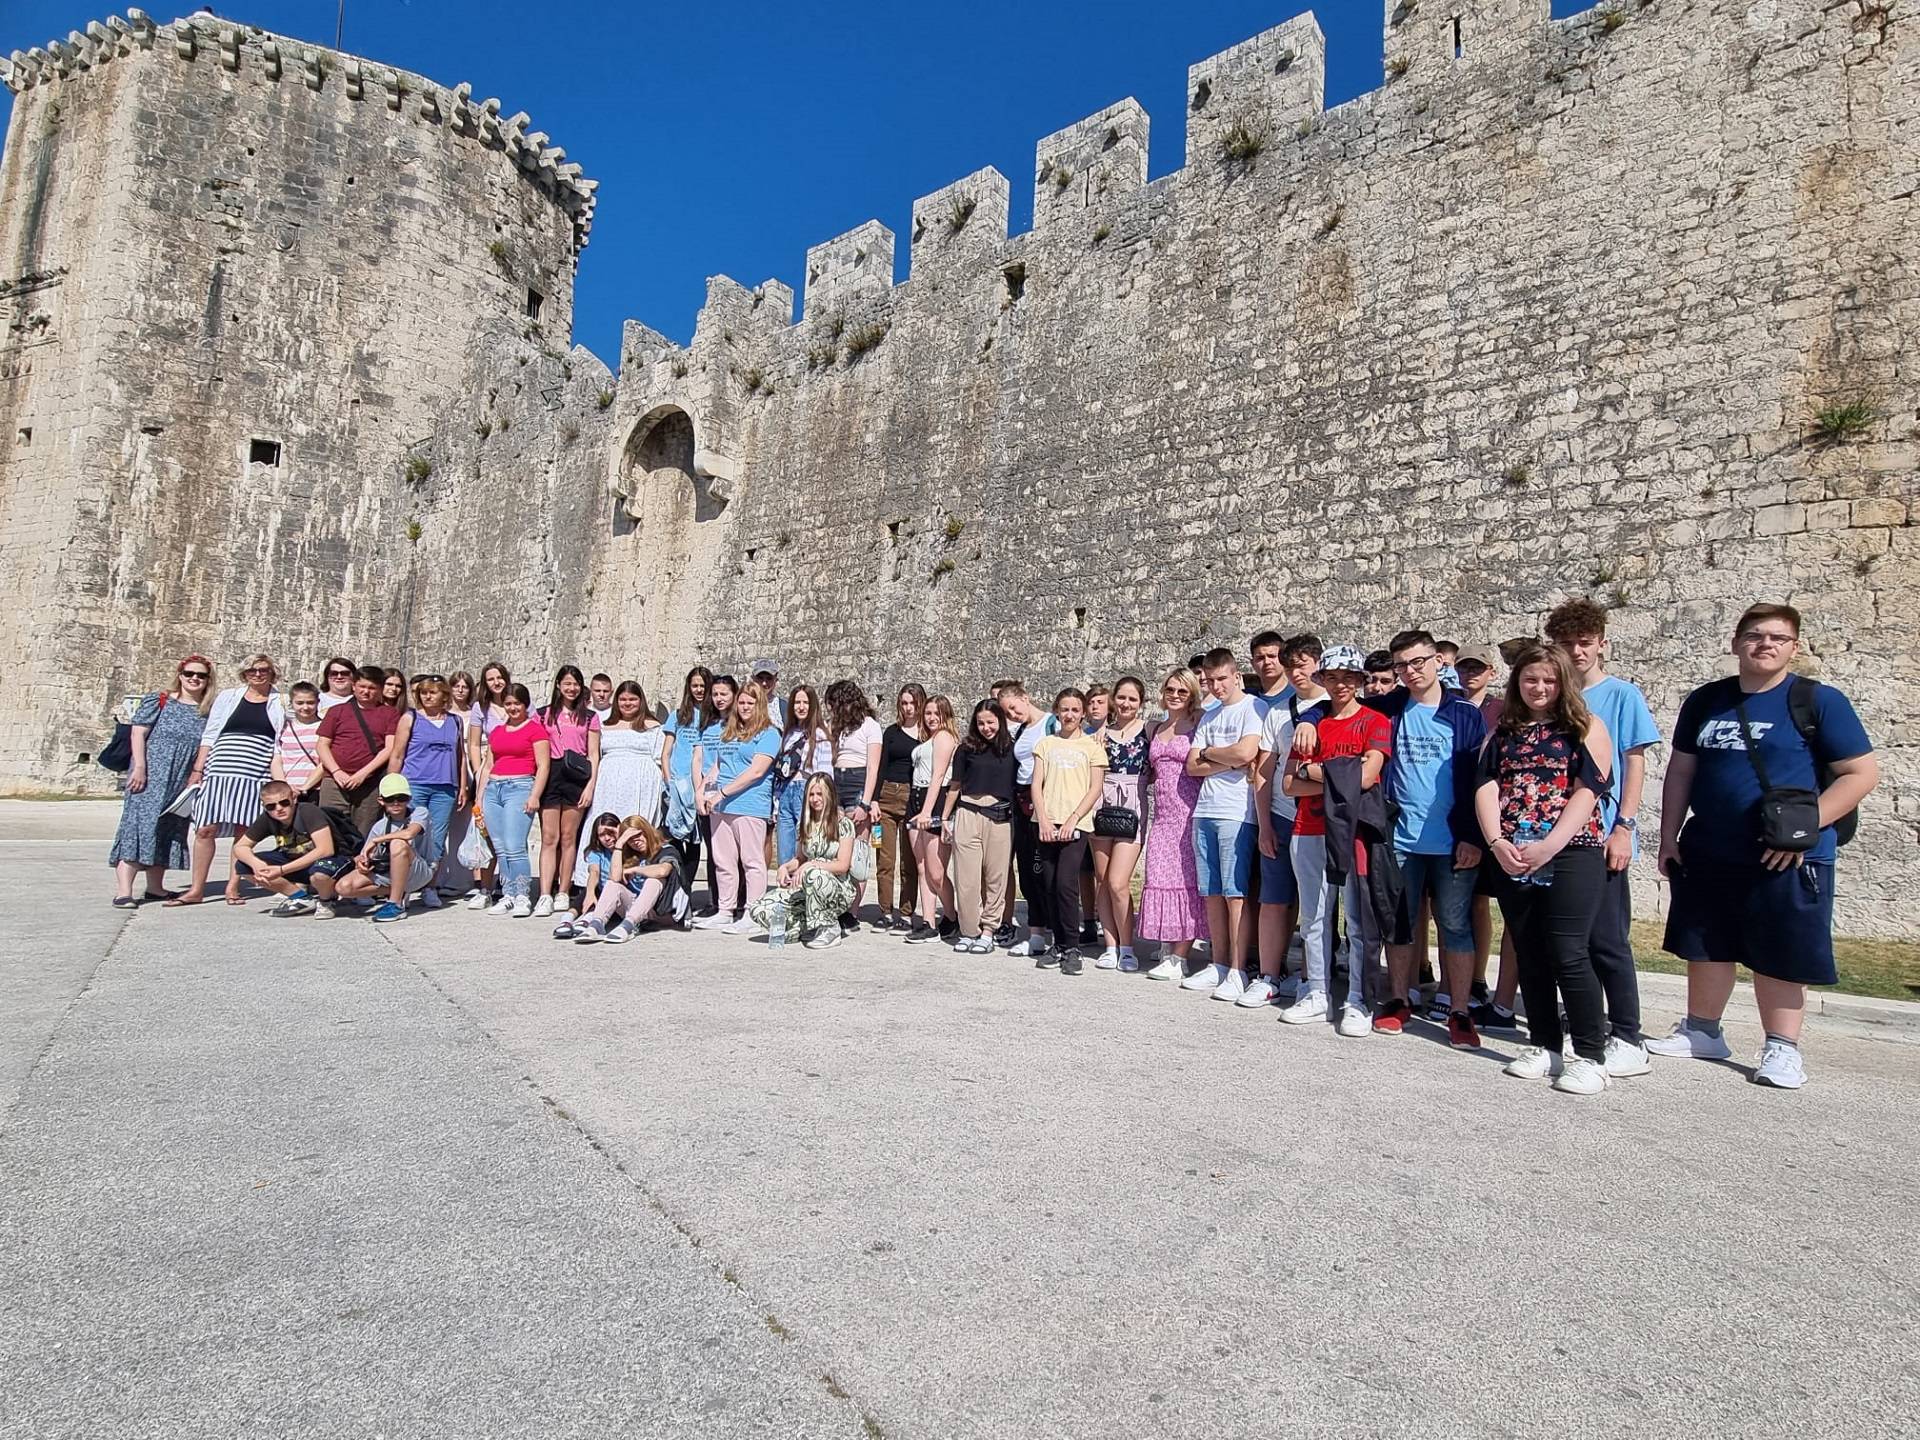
x: 879, y: 830
x: 776, y: 920
x: 1523, y: 836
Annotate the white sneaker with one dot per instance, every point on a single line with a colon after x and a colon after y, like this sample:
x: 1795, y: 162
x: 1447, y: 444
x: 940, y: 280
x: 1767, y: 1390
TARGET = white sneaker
x: 1354, y: 1021
x: 1171, y: 967
x: 1129, y: 962
x: 1534, y: 1063
x: 1038, y: 942
x: 521, y: 909
x: 477, y: 900
x: 502, y: 906
x: 1109, y: 959
x: 1207, y: 977
x: 742, y: 926
x: 1310, y: 1006
x: 1624, y: 1059
x: 1580, y: 1076
x: 711, y: 922
x: 1780, y: 1066
x: 1258, y: 993
x: 1687, y: 1043
x: 543, y: 908
x: 1231, y: 988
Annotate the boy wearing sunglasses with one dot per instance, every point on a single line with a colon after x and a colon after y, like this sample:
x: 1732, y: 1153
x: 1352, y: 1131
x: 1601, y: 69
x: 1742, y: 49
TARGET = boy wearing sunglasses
x: 290, y: 850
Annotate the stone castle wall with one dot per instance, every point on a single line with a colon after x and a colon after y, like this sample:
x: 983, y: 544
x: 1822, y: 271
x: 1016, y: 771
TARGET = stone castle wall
x: 212, y: 236
x: 1556, y: 316
x: 1556, y: 310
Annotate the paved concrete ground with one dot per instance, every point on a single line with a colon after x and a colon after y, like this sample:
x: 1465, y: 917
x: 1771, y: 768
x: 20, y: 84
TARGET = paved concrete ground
x: 451, y: 1178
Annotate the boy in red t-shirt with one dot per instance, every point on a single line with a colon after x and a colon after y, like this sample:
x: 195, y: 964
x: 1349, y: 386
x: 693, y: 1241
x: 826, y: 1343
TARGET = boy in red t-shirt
x: 1345, y: 728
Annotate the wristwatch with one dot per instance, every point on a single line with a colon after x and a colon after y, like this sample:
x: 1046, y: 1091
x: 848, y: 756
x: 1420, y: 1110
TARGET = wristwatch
x: 1626, y: 822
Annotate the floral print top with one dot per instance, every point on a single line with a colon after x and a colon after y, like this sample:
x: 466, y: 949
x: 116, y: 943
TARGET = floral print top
x: 1537, y: 770
x: 1128, y: 757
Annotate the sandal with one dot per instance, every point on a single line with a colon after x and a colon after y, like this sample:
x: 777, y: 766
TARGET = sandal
x: 159, y: 895
x: 236, y: 899
x: 177, y: 901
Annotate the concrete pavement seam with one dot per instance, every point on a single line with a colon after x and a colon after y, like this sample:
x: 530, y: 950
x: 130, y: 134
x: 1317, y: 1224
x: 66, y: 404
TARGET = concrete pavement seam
x: 655, y: 1202
x: 46, y: 1047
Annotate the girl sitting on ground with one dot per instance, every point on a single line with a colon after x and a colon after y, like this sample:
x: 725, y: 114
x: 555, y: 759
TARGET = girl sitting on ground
x: 596, y: 863
x: 816, y: 886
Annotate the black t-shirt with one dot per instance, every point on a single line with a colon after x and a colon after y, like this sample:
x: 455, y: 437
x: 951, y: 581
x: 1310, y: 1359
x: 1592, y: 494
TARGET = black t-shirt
x: 896, y: 755
x: 981, y: 772
x: 293, y: 837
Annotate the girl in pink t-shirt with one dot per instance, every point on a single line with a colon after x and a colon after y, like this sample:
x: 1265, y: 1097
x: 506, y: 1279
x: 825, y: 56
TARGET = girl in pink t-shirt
x: 569, y: 718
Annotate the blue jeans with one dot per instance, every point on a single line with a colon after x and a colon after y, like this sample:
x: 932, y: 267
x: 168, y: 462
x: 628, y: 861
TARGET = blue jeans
x: 505, y: 806
x: 438, y: 800
x: 1223, y: 856
x: 1451, y: 890
x: 788, y: 797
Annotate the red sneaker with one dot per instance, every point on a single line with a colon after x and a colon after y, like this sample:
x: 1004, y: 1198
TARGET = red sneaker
x: 1460, y: 1032
x: 1392, y: 1019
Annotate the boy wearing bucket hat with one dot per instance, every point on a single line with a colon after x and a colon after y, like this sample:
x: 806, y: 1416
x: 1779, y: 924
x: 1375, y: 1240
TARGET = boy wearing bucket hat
x: 398, y: 856
x: 1347, y: 730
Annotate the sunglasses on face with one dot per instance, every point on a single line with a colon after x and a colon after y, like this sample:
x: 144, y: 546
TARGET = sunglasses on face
x: 278, y: 804
x: 339, y: 674
x: 196, y: 674
x: 258, y: 670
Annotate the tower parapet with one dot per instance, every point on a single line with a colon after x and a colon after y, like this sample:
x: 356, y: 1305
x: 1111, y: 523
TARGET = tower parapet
x: 1091, y: 163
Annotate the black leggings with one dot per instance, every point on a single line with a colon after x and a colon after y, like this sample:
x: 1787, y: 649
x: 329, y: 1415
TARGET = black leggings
x: 1550, y: 925
x: 1059, y: 862
x: 1610, y: 949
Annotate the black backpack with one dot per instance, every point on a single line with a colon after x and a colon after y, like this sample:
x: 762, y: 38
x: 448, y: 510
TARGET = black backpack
x: 1806, y: 719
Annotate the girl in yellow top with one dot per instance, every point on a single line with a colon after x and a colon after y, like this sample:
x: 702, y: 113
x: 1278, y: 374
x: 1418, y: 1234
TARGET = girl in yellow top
x: 1068, y: 768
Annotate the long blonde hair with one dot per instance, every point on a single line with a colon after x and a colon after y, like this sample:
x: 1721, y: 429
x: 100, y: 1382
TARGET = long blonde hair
x: 645, y: 842
x: 1183, y: 676
x: 945, y: 707
x: 827, y: 824
x: 735, y: 730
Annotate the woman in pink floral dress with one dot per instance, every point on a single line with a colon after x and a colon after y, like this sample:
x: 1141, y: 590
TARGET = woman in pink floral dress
x: 1171, y: 910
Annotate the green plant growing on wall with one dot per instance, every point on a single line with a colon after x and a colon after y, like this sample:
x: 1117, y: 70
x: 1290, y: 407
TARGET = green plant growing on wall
x: 1242, y: 143
x: 1101, y: 232
x: 506, y: 424
x: 1398, y: 66
x: 498, y: 250
x: 1837, y: 424
x: 1612, y: 19
x: 483, y: 429
x: 865, y: 338
x: 753, y: 378
x: 944, y: 567
x: 419, y: 467
x: 1334, y: 217
x: 1518, y: 474
x: 954, y: 528
x: 604, y: 399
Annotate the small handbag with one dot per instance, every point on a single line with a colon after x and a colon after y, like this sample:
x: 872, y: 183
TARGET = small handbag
x: 1116, y: 822
x: 117, y: 754
x: 1789, y: 814
x: 573, y: 767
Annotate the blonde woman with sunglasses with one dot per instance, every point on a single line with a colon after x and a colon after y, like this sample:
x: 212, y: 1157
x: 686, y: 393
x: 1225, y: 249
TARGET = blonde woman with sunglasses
x: 234, y: 760
x: 167, y: 728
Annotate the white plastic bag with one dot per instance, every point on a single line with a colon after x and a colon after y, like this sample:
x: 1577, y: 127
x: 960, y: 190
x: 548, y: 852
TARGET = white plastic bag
x: 475, y: 852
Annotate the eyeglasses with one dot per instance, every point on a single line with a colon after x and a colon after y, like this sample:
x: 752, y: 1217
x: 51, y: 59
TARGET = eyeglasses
x: 1767, y: 637
x: 1414, y: 662
x: 196, y: 674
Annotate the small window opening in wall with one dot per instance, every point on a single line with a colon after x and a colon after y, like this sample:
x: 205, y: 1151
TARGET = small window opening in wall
x: 263, y: 452
x: 1202, y: 93
x: 893, y: 530
x: 1079, y: 617
x: 1016, y: 282
x: 25, y: 437
x: 752, y: 550
x: 86, y: 758
x: 534, y: 301
x: 1459, y: 43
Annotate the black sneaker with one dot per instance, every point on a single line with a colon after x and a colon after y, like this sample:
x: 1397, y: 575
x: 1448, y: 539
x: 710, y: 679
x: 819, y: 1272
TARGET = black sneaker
x: 848, y: 925
x: 1047, y: 960
x: 1479, y: 992
x: 921, y: 933
x: 902, y: 922
x: 947, y: 929
x: 1070, y: 963
x: 1005, y: 936
x: 1489, y: 1016
x: 1090, y: 933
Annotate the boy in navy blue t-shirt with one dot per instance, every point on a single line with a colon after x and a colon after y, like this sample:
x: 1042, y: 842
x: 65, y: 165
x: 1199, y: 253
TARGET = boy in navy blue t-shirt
x: 1734, y: 900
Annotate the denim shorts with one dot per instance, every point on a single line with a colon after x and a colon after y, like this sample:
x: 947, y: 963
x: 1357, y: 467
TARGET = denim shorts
x: 1452, y: 894
x: 1223, y: 856
x: 1776, y: 923
x: 1278, y: 885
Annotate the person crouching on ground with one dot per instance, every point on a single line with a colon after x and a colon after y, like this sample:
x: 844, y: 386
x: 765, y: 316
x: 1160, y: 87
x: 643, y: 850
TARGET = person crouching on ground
x: 398, y: 857
x: 644, y: 884
x: 816, y: 886
x: 291, y: 850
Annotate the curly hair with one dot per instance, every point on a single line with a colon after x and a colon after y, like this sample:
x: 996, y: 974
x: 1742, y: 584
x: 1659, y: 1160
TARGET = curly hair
x: 847, y: 707
x: 1575, y: 618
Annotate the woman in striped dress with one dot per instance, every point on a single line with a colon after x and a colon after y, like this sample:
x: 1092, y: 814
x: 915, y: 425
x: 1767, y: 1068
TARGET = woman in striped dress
x: 234, y: 761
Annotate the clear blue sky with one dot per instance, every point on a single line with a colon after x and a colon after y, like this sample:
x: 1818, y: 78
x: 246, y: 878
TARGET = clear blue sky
x: 729, y: 138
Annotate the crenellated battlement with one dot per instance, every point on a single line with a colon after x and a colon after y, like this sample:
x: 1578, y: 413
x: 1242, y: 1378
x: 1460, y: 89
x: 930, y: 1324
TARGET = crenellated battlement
x: 281, y: 60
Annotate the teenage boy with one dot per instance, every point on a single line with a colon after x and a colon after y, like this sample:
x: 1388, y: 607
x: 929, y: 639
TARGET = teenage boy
x: 1279, y: 890
x: 398, y: 856
x: 1347, y: 730
x: 1580, y: 628
x: 1476, y: 669
x: 1430, y: 778
x: 1266, y: 918
x: 600, y: 695
x: 1735, y: 900
x: 1301, y: 656
x: 290, y: 850
x: 355, y: 742
x: 1381, y: 679
x: 1225, y: 745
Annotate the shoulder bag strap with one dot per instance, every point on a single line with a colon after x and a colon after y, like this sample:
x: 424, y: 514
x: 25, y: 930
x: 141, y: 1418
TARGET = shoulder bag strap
x: 1748, y: 743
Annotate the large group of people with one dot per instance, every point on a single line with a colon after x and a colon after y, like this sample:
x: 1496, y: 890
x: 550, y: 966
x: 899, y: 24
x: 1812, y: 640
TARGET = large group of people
x: 1297, y: 824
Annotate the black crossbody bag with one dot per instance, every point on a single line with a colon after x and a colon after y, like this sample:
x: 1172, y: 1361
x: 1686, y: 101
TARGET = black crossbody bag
x: 1789, y: 815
